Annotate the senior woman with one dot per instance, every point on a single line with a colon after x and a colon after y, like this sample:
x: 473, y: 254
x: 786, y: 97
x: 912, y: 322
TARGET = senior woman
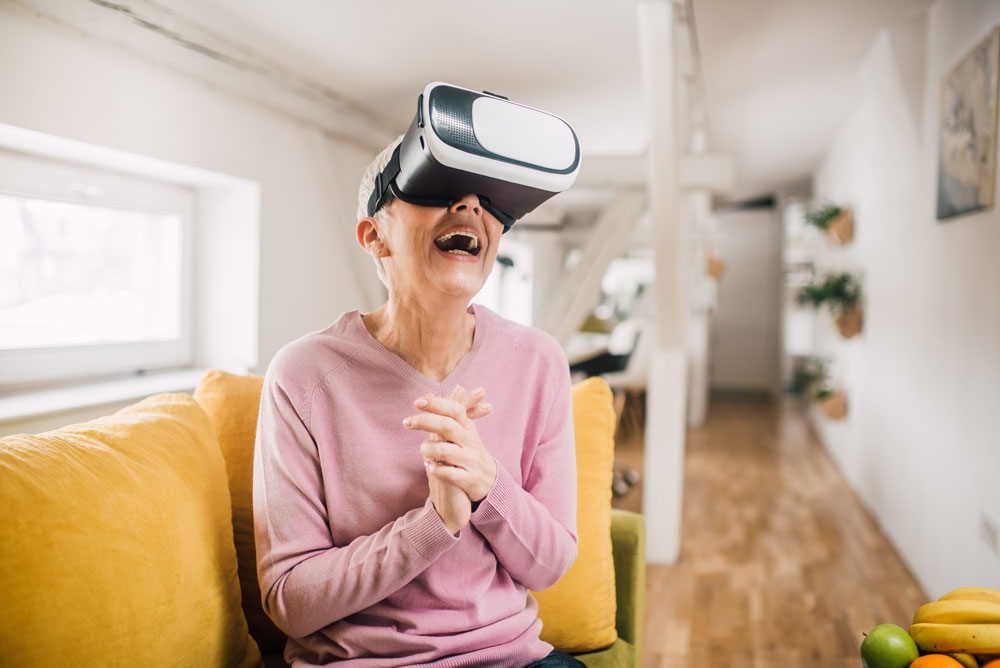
x: 400, y: 520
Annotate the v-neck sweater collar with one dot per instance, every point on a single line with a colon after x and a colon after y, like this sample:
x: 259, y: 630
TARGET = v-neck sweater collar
x: 356, y: 326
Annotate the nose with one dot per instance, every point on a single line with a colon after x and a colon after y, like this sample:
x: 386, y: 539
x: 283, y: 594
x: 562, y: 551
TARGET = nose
x: 467, y: 203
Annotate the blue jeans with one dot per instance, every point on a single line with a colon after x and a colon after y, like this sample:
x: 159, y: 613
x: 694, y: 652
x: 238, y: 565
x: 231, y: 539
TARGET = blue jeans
x: 557, y: 660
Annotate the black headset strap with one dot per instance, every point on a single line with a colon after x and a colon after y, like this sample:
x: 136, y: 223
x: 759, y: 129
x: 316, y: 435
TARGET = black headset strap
x: 382, y: 181
x: 385, y: 183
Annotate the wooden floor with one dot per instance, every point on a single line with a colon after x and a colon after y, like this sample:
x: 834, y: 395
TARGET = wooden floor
x: 780, y: 564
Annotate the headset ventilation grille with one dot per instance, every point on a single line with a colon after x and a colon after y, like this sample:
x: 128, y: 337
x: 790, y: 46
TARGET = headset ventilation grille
x: 455, y: 127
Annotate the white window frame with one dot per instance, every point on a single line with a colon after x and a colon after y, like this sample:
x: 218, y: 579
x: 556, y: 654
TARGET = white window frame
x: 34, y: 176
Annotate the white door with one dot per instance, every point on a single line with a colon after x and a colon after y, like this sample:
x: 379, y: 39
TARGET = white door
x: 744, y: 351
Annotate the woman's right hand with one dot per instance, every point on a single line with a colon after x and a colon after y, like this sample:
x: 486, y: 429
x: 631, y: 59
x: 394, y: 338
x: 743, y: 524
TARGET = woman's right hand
x: 450, y: 501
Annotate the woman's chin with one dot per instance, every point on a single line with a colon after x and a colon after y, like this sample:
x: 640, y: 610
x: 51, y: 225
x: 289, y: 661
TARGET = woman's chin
x: 463, y: 289
x: 457, y: 283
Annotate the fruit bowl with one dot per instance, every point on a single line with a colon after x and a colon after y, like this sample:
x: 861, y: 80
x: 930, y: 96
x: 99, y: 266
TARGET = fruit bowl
x: 959, y: 630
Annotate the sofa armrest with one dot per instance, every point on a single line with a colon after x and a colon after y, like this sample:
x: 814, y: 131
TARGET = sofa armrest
x: 628, y: 538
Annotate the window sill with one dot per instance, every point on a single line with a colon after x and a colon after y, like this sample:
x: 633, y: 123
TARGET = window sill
x: 37, y: 404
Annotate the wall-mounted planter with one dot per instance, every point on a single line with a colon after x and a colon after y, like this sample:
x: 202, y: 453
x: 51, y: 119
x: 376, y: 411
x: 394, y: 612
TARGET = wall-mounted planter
x: 849, y: 322
x: 833, y: 405
x: 841, y: 228
x: 714, y: 267
x: 841, y: 293
x: 836, y: 221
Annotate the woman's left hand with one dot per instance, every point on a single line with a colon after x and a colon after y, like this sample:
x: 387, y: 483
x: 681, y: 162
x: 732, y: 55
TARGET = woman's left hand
x: 468, y: 464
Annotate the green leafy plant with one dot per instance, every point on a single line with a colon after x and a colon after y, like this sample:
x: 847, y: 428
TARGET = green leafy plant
x: 841, y: 291
x: 823, y: 216
x: 811, y: 379
x: 822, y: 393
x: 808, y: 374
x: 812, y: 294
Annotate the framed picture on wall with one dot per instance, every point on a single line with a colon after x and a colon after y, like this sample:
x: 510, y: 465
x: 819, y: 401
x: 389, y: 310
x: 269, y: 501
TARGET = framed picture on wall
x: 968, y: 134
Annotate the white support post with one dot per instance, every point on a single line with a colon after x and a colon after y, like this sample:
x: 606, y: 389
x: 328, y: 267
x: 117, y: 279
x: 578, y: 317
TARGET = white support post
x: 699, y: 325
x: 666, y: 396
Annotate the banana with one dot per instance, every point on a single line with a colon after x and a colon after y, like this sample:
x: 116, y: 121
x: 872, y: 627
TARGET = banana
x: 967, y: 660
x: 972, y: 594
x: 964, y: 638
x: 958, y: 611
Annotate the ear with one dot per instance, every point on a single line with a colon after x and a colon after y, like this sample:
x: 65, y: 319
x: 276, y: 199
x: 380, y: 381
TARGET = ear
x: 369, y: 237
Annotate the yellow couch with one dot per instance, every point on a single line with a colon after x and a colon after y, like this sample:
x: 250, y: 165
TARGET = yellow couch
x: 128, y: 540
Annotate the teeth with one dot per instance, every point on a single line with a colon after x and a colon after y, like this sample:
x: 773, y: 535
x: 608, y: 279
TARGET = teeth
x: 458, y: 252
x: 473, y: 241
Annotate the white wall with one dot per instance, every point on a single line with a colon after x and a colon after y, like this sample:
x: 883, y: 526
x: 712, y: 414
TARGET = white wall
x: 921, y: 445
x: 60, y: 81
x: 745, y: 329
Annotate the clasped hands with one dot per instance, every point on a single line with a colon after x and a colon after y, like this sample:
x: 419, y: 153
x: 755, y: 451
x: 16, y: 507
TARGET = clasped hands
x: 459, y: 469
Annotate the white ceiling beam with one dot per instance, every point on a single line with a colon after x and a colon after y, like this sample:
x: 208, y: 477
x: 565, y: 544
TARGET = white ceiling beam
x: 616, y: 171
x: 161, y: 34
x: 714, y: 172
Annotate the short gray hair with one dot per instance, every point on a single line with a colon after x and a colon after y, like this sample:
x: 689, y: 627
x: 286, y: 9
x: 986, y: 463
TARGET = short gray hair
x: 365, y: 193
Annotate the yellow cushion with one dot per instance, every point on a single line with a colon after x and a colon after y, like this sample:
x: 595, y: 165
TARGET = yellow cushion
x: 117, y: 544
x: 232, y: 402
x: 578, y: 612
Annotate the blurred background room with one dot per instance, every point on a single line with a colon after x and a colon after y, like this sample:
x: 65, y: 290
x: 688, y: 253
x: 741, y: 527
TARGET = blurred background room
x: 781, y: 255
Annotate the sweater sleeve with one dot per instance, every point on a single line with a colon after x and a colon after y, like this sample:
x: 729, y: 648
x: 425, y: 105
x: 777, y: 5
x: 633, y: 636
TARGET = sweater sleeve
x: 532, y: 529
x: 306, y: 582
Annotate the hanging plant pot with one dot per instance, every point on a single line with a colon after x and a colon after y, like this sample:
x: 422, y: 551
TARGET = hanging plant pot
x: 834, y: 405
x: 841, y: 228
x: 849, y: 322
x: 714, y: 267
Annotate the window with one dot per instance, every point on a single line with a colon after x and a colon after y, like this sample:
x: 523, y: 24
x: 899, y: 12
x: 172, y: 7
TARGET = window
x: 95, y: 272
x: 508, y: 289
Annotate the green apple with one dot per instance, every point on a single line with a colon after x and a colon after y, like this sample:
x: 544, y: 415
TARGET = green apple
x: 888, y: 646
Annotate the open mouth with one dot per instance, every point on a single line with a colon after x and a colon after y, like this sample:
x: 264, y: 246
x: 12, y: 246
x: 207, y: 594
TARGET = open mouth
x: 458, y: 243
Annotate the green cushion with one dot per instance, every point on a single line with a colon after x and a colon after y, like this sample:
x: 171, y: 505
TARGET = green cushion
x: 621, y: 653
x: 628, y: 538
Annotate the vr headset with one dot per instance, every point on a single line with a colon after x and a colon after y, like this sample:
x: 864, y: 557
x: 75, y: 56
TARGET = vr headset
x: 463, y: 142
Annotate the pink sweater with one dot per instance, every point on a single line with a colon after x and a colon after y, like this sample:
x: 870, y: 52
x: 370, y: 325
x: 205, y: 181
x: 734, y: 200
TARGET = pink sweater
x: 353, y: 561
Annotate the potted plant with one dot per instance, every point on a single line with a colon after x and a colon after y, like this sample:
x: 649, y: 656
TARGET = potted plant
x: 714, y: 265
x: 809, y: 372
x: 836, y: 221
x: 842, y: 293
x: 833, y: 403
x: 811, y: 381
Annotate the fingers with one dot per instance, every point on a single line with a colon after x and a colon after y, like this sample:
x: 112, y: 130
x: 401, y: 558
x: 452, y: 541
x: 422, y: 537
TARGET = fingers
x: 454, y: 407
x: 475, y: 406
x: 443, y: 452
x: 479, y: 410
x: 473, y: 403
x: 459, y: 407
x: 469, y: 399
x: 445, y: 473
x: 445, y: 427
